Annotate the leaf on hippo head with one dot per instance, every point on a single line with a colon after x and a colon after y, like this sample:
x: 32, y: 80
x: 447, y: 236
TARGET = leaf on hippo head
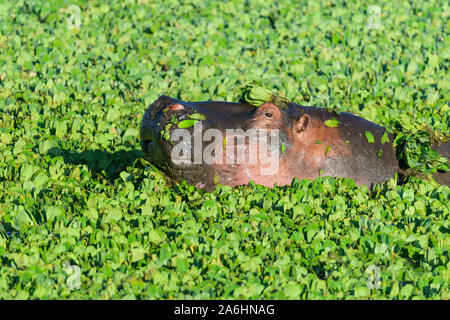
x: 332, y: 123
x: 256, y: 95
x: 197, y: 116
x: 216, y: 179
x: 174, y: 120
x: 186, y: 123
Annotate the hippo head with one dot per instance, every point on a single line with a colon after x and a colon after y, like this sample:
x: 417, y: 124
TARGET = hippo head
x: 207, y: 143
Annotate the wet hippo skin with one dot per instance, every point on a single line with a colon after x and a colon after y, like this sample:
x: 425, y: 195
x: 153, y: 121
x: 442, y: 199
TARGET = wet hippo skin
x: 302, y: 140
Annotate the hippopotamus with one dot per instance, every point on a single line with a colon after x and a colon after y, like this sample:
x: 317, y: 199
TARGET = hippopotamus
x: 232, y: 143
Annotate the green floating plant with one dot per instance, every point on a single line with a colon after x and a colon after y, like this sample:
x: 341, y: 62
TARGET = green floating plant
x: 193, y: 118
x: 186, y: 123
x: 369, y: 137
x: 413, y: 141
x: 332, y: 123
x: 414, y: 149
x: 384, y: 138
x: 257, y: 95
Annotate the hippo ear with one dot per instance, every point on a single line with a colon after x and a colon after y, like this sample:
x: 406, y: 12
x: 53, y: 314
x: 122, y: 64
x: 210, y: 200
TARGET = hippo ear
x: 301, y: 124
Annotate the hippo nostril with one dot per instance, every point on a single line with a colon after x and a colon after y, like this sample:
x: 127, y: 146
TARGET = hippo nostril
x: 176, y: 106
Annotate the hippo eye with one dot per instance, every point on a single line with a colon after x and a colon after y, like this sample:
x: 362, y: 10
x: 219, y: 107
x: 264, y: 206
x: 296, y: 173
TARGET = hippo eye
x: 268, y: 115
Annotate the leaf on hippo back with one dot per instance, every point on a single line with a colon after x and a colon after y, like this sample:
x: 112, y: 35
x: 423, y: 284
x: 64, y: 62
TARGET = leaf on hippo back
x: 379, y: 153
x: 332, y: 123
x: 369, y: 137
x: 186, y: 123
x: 384, y: 138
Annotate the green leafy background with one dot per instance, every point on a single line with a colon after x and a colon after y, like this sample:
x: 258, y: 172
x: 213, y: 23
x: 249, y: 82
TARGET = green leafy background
x: 75, y: 190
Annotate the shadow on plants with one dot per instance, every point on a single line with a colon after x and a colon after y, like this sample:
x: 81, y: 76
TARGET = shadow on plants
x: 101, y: 163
